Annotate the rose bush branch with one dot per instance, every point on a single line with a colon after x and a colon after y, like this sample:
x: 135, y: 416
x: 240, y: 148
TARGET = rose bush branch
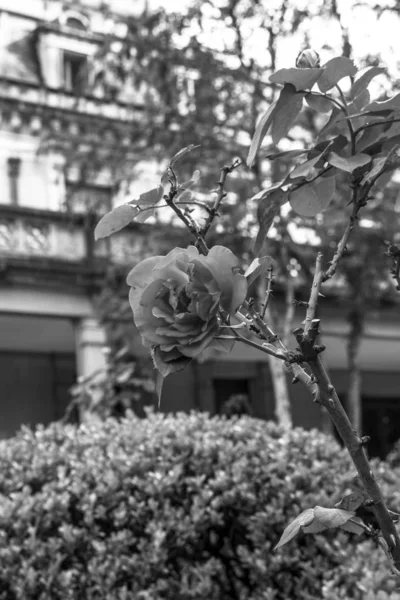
x: 328, y: 397
x: 183, y: 302
x: 213, y: 211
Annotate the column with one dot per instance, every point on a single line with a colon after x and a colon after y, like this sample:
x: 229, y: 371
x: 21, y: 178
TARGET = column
x: 90, y: 340
x: 14, y: 167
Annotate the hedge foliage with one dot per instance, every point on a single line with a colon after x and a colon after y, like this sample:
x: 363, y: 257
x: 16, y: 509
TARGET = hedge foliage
x: 179, y: 507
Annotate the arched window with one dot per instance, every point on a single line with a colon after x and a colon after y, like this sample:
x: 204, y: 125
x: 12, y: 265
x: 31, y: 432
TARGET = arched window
x: 75, y: 23
x: 75, y: 20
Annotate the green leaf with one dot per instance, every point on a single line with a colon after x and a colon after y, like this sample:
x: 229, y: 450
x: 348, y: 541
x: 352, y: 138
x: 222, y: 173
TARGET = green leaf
x: 319, y: 103
x: 348, y: 163
x: 114, y: 221
x: 390, y: 104
x: 301, y: 79
x: 182, y: 153
x: 332, y: 122
x: 313, y: 198
x: 287, y: 109
x: 294, y: 528
x: 151, y: 197
x: 380, y: 164
x: 354, y: 525
x: 268, y: 209
x: 363, y: 80
x: 258, y: 267
x: 352, y: 501
x: 287, y: 154
x: 305, y: 168
x: 334, y: 145
x: 192, y: 181
x: 260, y: 133
x: 328, y: 518
x: 334, y: 70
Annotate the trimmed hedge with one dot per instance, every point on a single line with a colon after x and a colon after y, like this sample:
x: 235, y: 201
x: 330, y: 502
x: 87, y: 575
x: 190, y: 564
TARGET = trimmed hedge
x: 178, y: 507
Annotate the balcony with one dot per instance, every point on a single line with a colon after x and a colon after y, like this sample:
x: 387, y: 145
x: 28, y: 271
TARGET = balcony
x: 35, y: 97
x: 39, y: 245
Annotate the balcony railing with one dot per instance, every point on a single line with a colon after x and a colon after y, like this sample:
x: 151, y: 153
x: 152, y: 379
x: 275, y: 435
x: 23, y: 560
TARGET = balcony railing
x: 18, y: 91
x: 31, y: 233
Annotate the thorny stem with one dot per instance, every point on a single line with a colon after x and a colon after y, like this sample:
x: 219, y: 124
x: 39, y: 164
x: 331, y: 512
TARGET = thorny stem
x: 270, y: 281
x: 341, y: 247
x: 313, y: 301
x: 320, y: 384
x: 213, y: 212
x: 354, y: 444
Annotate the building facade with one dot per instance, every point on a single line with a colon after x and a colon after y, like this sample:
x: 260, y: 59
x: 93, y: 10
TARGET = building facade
x: 50, y: 266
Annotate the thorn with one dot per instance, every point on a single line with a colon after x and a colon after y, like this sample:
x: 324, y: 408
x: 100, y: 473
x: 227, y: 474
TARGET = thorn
x: 364, y: 440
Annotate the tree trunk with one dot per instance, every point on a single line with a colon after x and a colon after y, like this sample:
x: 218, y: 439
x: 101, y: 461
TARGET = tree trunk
x: 283, y: 409
x: 353, y: 404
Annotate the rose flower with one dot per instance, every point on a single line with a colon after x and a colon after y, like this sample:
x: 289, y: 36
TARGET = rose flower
x: 176, y: 301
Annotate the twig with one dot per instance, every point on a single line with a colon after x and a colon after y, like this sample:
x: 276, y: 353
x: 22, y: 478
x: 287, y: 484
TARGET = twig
x: 341, y: 247
x: 268, y: 349
x: 169, y: 199
x: 270, y: 281
x: 368, y: 125
x: 309, y: 329
x: 213, y: 212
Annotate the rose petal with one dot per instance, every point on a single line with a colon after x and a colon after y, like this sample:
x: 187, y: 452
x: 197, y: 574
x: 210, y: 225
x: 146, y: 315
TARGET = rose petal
x: 196, y: 348
x: 167, y: 267
x: 233, y: 285
x: 140, y: 277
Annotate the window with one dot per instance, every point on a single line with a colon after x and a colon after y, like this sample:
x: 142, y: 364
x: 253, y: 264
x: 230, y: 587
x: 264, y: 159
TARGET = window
x: 84, y: 198
x: 75, y: 72
x: 380, y: 421
x: 232, y: 390
x: 75, y: 23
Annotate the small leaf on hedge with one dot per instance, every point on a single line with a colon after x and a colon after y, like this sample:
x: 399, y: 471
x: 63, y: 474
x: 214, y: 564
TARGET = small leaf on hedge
x: 287, y: 109
x: 334, y: 70
x: 312, y: 198
x: 363, y: 80
x: 261, y: 131
x: 348, y: 163
x: 114, y: 221
x: 301, y: 79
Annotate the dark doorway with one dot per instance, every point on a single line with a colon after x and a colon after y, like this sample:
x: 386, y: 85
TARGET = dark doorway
x: 226, y: 388
x: 34, y: 388
x: 381, y: 421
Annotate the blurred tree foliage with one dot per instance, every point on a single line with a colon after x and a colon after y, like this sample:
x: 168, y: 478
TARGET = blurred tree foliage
x: 202, y: 77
